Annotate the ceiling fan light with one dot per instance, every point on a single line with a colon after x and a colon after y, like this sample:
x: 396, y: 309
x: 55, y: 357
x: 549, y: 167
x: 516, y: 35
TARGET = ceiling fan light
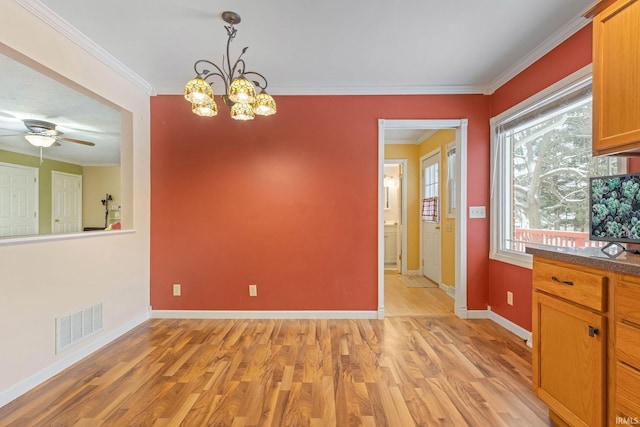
x: 198, y: 91
x: 241, y: 90
x: 40, y: 140
x: 264, y: 105
x: 208, y: 109
x: 242, y: 111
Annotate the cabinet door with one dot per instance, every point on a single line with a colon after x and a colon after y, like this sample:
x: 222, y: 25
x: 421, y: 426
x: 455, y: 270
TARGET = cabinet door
x: 569, y: 355
x: 616, y: 78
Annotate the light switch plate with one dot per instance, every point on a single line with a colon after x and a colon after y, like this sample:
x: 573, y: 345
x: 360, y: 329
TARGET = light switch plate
x: 477, y: 212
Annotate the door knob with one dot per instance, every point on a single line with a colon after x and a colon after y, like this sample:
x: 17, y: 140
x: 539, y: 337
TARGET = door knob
x: 593, y: 331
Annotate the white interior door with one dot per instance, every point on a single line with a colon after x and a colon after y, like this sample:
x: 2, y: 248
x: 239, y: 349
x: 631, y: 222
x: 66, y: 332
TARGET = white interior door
x: 66, y: 199
x: 430, y: 194
x: 18, y: 200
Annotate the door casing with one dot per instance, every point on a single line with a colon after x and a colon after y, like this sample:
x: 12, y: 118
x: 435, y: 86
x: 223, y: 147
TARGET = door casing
x: 460, y: 125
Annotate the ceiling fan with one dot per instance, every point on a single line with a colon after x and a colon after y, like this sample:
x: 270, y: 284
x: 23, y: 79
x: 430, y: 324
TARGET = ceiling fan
x: 44, y: 134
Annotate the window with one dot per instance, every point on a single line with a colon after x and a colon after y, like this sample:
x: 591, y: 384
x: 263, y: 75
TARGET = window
x: 431, y: 189
x: 540, y: 170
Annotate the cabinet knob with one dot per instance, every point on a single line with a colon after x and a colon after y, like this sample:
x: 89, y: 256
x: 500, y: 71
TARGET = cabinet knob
x: 593, y: 331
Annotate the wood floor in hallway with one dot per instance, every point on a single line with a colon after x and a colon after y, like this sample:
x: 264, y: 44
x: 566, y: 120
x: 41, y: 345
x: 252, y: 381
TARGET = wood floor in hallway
x: 398, y: 372
x: 400, y: 300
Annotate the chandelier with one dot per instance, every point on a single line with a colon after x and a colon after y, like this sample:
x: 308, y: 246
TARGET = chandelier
x: 239, y: 90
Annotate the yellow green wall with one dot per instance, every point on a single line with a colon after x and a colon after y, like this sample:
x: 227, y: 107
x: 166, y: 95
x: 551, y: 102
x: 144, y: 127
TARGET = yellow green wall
x: 412, y: 154
x: 44, y: 178
x: 97, y: 182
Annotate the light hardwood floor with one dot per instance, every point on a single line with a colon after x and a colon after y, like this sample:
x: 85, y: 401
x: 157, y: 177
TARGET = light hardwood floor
x: 400, y: 300
x: 398, y: 372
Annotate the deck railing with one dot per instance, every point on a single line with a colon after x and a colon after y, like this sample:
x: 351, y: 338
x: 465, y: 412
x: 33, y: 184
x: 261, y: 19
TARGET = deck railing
x: 569, y: 239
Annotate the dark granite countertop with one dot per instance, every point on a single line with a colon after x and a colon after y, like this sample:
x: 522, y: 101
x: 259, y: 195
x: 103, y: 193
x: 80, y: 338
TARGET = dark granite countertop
x: 625, y: 262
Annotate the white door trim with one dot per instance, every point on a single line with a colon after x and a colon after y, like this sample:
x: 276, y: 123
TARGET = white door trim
x: 403, y: 210
x: 460, y: 305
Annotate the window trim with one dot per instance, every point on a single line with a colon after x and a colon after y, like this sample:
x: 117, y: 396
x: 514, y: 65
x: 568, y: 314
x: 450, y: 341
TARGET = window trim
x: 497, y: 186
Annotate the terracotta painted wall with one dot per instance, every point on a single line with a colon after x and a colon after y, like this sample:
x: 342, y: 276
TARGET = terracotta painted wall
x: 570, y: 56
x: 288, y: 203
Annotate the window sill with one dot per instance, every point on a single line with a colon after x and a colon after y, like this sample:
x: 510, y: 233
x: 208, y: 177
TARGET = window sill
x: 517, y: 259
x: 9, y: 241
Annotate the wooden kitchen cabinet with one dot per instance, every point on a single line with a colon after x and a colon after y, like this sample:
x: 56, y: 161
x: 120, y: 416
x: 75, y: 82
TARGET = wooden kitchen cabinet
x: 586, y: 380
x: 570, y: 342
x: 627, y: 350
x: 616, y: 77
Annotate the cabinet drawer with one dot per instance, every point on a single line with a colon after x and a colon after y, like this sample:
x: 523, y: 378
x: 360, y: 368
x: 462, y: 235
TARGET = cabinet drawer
x: 628, y: 344
x: 627, y: 391
x: 582, y: 287
x: 628, y: 301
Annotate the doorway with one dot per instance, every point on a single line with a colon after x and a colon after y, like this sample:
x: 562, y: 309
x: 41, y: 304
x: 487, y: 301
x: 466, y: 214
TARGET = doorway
x: 395, y: 215
x: 431, y: 241
x: 460, y: 144
x: 19, y: 200
x: 66, y: 202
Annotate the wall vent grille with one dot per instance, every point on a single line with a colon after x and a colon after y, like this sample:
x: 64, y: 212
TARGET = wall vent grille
x: 76, y: 326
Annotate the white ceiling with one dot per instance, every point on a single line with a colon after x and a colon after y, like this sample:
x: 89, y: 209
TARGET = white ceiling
x: 302, y: 47
x: 328, y: 46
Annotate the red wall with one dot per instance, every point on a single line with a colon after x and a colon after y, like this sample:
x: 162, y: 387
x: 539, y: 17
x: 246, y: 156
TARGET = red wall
x: 288, y: 202
x: 567, y: 58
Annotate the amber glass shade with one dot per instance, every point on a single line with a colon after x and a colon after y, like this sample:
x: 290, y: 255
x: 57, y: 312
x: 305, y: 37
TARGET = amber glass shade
x: 242, y: 90
x: 264, y: 105
x: 242, y: 111
x: 208, y: 109
x: 198, y: 91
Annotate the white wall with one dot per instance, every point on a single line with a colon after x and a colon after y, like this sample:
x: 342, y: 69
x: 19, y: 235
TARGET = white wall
x: 41, y: 280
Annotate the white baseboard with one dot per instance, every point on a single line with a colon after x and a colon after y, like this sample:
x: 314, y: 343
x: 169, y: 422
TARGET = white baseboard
x: 478, y: 314
x: 41, y: 376
x: 505, y: 323
x: 264, y: 314
x: 449, y: 290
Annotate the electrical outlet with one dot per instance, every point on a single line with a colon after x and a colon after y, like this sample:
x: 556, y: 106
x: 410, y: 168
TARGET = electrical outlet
x: 177, y: 290
x: 253, y: 291
x: 509, y: 297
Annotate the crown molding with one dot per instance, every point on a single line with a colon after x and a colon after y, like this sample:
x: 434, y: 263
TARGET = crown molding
x: 50, y: 18
x: 358, y: 90
x: 545, y: 47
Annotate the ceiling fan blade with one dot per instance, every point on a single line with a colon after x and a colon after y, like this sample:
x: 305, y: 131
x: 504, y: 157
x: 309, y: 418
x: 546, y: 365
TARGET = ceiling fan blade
x: 77, y: 141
